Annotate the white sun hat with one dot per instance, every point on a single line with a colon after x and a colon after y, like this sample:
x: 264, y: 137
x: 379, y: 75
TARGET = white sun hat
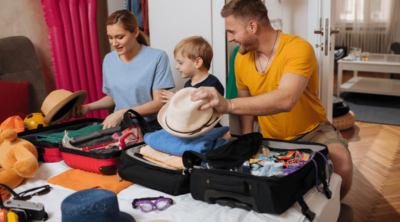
x: 181, y: 117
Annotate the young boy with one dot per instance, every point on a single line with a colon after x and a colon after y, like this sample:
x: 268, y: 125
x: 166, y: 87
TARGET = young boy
x: 193, y: 57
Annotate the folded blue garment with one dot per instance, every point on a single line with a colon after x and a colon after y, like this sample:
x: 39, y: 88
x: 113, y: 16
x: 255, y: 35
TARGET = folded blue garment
x: 166, y: 142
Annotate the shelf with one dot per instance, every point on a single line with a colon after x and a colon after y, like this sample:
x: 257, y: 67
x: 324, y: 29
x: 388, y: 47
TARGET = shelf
x: 372, y: 86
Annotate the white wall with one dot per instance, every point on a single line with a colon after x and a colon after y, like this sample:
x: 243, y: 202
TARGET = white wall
x: 114, y: 5
x: 294, y: 17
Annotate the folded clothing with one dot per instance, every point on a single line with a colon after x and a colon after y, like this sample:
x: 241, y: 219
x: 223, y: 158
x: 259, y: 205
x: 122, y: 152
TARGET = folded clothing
x: 77, y: 180
x: 166, y: 142
x: 57, y: 137
x: 158, y: 163
x: 161, y: 157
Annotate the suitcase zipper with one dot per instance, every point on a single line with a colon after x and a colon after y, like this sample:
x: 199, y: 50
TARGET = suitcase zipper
x: 154, y: 166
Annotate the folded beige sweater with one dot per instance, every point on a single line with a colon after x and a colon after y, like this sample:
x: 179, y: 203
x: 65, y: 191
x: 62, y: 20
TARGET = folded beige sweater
x: 162, y: 158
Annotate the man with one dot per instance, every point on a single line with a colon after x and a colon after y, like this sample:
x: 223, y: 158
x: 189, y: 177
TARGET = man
x: 277, y: 80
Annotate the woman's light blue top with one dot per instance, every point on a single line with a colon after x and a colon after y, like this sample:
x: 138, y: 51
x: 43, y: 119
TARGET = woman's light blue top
x: 131, y: 85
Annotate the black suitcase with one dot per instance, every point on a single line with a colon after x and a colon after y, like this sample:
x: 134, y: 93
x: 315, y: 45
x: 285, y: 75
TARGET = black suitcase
x: 136, y: 169
x: 49, y: 152
x: 261, y: 194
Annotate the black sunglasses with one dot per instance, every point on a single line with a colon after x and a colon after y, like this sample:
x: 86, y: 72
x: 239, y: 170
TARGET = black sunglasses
x: 39, y: 191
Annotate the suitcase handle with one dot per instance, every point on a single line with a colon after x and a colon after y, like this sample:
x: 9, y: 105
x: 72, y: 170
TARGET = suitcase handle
x: 143, y: 124
x: 231, y: 199
x: 237, y: 186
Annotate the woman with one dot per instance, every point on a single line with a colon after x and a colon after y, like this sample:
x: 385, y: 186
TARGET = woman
x: 134, y: 75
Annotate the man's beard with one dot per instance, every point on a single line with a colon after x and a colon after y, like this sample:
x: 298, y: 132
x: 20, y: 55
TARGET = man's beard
x: 248, y: 45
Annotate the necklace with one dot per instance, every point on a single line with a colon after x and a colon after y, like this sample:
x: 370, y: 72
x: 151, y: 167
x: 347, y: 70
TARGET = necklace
x: 270, y: 55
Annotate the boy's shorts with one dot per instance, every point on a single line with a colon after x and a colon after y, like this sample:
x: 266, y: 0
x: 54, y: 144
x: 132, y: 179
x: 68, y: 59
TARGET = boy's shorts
x: 323, y: 133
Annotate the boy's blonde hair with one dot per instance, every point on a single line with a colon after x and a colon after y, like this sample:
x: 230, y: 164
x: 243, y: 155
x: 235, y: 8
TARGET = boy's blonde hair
x: 195, y: 47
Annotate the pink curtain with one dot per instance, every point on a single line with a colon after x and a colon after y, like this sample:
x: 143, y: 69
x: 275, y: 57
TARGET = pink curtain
x: 75, y: 48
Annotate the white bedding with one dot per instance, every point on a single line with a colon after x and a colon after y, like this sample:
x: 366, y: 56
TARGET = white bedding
x: 185, y: 207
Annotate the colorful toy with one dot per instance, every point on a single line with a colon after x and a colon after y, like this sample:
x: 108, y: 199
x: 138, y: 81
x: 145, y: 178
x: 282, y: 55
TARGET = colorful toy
x: 18, y: 160
x: 34, y: 121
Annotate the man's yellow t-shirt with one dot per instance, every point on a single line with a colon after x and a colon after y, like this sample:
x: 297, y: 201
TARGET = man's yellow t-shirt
x: 294, y: 55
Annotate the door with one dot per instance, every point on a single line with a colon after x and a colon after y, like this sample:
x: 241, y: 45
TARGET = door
x: 321, y: 33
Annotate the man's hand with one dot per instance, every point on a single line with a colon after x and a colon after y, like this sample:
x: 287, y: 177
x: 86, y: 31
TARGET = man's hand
x: 166, y: 96
x: 114, y: 119
x: 218, y: 102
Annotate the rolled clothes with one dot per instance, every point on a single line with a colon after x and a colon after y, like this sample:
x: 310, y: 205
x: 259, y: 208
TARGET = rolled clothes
x: 57, y: 137
x: 168, y: 143
x: 162, y: 158
x: 268, y: 169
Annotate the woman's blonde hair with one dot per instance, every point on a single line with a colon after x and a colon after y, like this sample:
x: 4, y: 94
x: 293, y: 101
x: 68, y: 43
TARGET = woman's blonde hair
x: 129, y: 22
x: 195, y: 47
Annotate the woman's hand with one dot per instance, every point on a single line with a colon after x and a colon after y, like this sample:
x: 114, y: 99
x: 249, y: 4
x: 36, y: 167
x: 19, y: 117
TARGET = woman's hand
x: 114, y: 119
x: 79, y: 111
x: 166, y: 96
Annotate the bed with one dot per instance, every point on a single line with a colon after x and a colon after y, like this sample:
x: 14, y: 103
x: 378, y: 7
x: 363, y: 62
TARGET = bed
x: 185, y: 208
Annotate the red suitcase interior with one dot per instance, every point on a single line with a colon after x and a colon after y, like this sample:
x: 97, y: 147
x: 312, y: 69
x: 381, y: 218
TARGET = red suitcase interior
x: 104, y: 161
x: 49, y: 152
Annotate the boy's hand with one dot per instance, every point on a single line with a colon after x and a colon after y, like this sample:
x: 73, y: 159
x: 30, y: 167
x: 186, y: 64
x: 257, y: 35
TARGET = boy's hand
x: 166, y: 96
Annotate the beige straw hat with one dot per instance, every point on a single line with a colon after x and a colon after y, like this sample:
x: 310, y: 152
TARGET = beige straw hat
x: 181, y: 117
x: 59, y: 103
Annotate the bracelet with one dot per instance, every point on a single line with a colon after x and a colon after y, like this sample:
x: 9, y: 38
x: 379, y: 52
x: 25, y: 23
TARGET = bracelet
x: 230, y: 104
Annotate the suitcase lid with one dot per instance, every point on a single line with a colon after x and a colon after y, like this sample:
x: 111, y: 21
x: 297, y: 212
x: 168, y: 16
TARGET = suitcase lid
x: 228, y: 156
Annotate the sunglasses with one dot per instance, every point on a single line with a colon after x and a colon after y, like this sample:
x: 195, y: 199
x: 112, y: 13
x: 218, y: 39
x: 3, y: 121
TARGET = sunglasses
x: 147, y: 205
x: 37, y: 191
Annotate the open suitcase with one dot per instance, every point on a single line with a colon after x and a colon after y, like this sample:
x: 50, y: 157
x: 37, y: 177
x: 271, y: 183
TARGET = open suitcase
x: 259, y: 193
x: 226, y: 187
x: 49, y: 152
x: 105, y: 161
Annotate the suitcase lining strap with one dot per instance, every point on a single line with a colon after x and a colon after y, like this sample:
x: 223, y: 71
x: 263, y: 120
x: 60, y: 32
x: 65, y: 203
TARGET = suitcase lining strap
x: 304, y: 207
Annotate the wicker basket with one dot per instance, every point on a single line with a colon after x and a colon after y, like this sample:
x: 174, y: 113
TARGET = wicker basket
x: 344, y: 122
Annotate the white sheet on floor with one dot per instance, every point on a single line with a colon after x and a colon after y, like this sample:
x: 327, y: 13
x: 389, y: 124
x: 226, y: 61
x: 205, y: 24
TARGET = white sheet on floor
x: 185, y: 207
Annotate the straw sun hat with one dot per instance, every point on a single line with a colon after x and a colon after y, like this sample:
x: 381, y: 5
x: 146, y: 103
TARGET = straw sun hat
x: 181, y: 116
x: 59, y: 103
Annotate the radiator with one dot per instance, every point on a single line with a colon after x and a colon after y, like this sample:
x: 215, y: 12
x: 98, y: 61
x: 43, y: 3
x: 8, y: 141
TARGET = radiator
x: 373, y: 42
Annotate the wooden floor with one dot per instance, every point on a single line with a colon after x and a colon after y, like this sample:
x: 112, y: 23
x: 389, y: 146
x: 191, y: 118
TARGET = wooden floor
x: 375, y: 150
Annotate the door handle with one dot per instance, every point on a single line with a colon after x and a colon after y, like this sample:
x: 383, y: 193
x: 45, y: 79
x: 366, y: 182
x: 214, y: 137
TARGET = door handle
x: 334, y: 31
x: 322, y: 46
x: 319, y: 32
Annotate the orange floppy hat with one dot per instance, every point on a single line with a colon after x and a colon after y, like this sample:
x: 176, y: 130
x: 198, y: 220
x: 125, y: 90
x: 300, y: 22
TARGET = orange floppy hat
x: 58, y: 104
x: 13, y: 122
